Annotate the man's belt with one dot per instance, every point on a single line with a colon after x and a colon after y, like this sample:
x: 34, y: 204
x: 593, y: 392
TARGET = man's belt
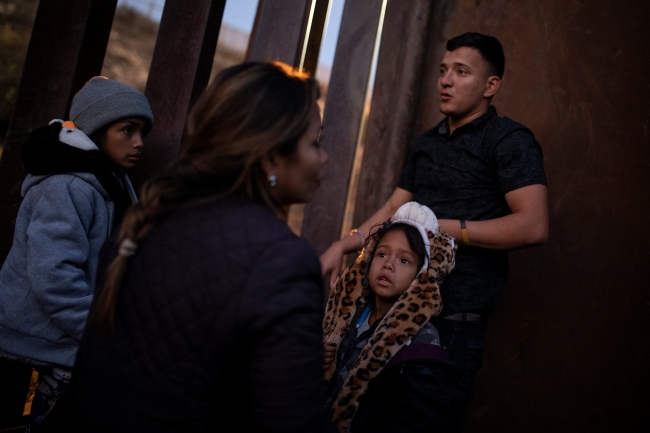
x: 463, y: 317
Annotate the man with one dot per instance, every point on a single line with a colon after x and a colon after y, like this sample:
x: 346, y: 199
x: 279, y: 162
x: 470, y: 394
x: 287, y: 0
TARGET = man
x: 484, y: 178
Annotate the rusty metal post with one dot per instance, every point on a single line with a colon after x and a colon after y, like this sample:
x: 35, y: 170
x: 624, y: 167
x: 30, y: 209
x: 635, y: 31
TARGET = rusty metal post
x: 281, y: 27
x: 179, y: 72
x: 394, y: 103
x: 63, y: 54
x: 342, y: 119
x: 66, y: 48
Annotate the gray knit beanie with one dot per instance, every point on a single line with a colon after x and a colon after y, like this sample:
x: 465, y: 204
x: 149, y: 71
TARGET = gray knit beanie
x: 103, y: 101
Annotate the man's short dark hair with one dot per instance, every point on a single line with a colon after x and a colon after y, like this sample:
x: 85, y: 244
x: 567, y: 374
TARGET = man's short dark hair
x: 489, y: 47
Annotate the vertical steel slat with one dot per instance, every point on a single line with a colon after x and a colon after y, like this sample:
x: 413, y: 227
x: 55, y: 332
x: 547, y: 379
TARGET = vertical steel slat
x: 394, y: 103
x: 179, y: 72
x: 342, y: 118
x: 280, y: 29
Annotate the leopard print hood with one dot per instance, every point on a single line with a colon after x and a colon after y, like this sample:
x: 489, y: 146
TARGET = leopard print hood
x: 411, y: 311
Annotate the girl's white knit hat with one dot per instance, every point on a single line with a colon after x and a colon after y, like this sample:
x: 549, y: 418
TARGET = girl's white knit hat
x: 420, y: 217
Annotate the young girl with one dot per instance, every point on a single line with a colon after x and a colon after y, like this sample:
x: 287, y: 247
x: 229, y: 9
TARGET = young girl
x: 390, y: 372
x: 75, y: 193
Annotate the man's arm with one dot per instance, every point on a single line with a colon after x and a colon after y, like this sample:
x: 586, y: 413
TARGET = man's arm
x: 332, y: 258
x: 525, y: 227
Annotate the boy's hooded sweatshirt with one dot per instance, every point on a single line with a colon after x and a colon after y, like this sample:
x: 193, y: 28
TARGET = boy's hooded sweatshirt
x: 72, y: 198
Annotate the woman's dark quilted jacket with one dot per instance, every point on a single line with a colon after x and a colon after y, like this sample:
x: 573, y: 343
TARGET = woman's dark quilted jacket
x: 218, y: 326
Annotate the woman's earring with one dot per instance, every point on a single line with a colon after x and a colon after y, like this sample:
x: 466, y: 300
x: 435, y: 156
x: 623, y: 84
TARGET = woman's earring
x: 273, y: 180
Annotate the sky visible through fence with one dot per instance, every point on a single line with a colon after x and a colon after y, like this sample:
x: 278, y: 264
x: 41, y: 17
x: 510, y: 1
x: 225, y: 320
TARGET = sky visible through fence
x: 241, y: 14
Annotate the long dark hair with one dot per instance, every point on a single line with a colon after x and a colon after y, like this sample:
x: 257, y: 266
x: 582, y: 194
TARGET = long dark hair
x: 247, y: 112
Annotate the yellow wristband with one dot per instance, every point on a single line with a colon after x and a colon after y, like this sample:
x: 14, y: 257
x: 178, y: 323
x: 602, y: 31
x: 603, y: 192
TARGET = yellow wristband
x: 463, y: 230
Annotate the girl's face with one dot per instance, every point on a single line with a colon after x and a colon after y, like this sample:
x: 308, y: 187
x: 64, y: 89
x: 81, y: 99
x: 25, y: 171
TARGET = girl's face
x: 300, y: 173
x: 393, y: 268
x: 122, y: 141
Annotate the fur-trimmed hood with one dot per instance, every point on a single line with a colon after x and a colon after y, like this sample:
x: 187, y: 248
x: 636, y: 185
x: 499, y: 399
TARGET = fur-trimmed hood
x: 411, y: 311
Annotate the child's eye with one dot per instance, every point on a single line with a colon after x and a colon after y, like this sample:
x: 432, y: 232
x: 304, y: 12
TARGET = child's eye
x: 405, y: 261
x: 381, y: 254
x: 128, y: 130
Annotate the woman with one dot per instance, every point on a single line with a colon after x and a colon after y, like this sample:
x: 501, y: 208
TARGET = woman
x: 210, y: 307
x: 75, y: 192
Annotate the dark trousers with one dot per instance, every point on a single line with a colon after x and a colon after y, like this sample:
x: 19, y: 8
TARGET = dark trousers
x: 463, y: 343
